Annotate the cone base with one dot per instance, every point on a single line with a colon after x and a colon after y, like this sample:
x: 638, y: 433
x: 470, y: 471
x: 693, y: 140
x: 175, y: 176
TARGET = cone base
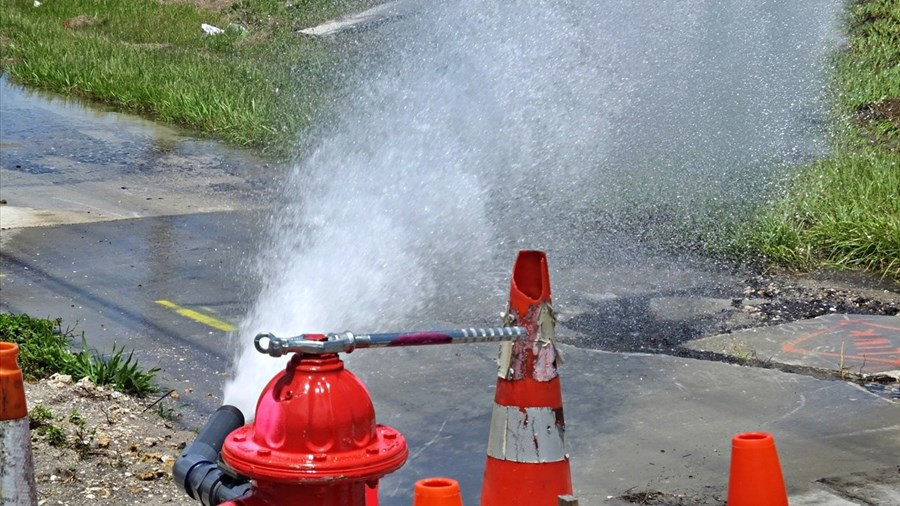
x: 507, y: 483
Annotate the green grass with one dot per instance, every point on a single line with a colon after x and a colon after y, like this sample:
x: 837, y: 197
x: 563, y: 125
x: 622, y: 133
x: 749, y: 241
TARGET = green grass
x: 257, y: 87
x: 42, y: 346
x: 844, y: 211
x: 44, y: 349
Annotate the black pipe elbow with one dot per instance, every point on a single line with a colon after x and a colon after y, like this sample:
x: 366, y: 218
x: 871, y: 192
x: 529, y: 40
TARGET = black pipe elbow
x: 197, y: 472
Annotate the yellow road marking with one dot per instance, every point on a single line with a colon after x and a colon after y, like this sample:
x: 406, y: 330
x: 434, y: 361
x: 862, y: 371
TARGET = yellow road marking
x: 197, y: 317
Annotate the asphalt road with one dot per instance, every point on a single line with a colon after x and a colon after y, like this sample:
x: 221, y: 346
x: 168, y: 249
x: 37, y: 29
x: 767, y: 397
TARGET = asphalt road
x: 132, y: 283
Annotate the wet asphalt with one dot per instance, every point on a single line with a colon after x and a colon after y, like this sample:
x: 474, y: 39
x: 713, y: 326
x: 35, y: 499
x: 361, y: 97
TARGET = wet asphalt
x: 108, y: 217
x: 143, y: 236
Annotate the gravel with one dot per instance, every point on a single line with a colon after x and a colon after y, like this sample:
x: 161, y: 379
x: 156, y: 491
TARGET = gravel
x: 115, y: 450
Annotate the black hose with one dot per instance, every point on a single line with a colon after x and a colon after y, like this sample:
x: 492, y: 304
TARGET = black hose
x: 197, y: 471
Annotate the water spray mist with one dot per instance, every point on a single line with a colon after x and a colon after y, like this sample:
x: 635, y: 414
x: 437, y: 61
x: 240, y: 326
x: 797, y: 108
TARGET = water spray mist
x: 468, y: 125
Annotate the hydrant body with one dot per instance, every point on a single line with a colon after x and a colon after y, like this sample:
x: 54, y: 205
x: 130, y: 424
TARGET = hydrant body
x: 314, y: 439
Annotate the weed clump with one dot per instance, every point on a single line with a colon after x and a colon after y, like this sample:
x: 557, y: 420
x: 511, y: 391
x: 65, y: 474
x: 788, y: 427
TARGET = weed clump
x: 44, y: 350
x: 40, y: 420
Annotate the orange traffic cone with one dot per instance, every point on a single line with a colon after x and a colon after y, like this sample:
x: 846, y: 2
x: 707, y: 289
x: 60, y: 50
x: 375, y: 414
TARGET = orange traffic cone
x: 755, y: 475
x: 16, y: 466
x: 527, y: 458
x: 437, y: 492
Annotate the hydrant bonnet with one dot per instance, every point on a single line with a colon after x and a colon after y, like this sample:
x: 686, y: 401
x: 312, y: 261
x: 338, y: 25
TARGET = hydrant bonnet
x: 315, y: 423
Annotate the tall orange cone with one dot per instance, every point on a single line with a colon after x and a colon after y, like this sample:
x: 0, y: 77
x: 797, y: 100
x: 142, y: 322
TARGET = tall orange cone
x: 755, y: 475
x: 437, y: 492
x: 527, y: 458
x: 16, y: 466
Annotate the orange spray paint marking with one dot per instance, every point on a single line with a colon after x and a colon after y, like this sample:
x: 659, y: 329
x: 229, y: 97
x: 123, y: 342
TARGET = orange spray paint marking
x: 875, y: 345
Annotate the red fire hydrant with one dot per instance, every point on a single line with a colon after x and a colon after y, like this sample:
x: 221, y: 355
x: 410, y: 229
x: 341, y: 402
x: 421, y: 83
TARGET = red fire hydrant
x: 314, y: 439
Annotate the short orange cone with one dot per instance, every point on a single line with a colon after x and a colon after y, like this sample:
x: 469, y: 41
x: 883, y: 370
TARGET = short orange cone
x: 527, y: 459
x: 16, y: 466
x: 437, y: 492
x: 755, y: 476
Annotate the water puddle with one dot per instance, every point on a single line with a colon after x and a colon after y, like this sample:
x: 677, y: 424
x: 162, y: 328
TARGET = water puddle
x: 67, y: 161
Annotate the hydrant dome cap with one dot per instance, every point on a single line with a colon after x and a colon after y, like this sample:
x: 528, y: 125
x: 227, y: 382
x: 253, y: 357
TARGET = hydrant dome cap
x: 315, y: 422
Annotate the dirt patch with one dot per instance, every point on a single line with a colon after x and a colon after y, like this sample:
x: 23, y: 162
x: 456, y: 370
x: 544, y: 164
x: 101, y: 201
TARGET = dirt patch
x: 258, y: 36
x: 780, y: 300
x: 150, y: 46
x: 631, y: 324
x: 859, y: 487
x: 211, y: 5
x: 94, y: 446
x: 886, y: 110
x: 656, y: 498
x: 81, y: 22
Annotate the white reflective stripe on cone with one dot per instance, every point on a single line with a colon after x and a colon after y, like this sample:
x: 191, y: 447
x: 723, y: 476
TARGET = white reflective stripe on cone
x: 16, y: 466
x: 529, y: 435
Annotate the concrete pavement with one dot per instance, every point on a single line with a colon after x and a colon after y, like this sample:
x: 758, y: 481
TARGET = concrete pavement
x: 861, y: 344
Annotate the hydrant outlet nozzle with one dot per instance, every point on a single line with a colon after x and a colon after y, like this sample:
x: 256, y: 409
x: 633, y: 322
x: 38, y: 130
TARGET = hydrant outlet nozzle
x: 197, y: 471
